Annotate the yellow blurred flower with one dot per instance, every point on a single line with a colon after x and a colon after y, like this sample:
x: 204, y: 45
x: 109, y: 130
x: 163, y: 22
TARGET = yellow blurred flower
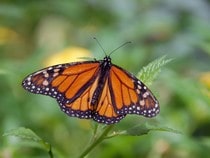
x: 67, y: 55
x: 205, y: 80
x: 7, y: 35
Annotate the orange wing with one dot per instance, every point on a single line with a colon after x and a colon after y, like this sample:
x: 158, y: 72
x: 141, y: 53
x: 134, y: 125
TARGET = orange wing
x: 71, y: 84
x: 130, y: 96
x: 105, y: 111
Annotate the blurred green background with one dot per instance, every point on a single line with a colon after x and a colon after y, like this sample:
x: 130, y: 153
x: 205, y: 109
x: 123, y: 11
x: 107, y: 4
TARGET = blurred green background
x: 33, y: 31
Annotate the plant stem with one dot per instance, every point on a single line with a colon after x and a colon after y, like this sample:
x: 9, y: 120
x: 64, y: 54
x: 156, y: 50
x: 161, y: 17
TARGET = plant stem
x: 96, y: 141
x: 50, y: 152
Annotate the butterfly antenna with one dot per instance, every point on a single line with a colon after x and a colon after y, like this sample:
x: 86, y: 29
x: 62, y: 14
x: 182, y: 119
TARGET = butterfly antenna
x: 119, y: 47
x: 100, y: 45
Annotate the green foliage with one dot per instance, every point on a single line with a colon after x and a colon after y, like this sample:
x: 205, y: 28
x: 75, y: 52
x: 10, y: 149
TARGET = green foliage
x: 148, y: 73
x: 24, y: 133
x: 29, y: 135
x: 145, y: 129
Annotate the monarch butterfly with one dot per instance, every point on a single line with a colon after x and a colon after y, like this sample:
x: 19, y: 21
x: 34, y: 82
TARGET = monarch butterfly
x: 97, y: 90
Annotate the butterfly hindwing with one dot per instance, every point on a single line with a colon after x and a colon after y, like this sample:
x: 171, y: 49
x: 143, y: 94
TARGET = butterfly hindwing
x: 106, y: 112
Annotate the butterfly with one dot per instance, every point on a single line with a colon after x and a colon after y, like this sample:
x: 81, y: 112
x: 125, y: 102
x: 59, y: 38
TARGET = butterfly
x: 97, y: 90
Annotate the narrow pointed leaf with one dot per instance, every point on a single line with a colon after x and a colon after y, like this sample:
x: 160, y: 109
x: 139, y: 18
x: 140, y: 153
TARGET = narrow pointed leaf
x: 149, y: 72
x: 145, y: 129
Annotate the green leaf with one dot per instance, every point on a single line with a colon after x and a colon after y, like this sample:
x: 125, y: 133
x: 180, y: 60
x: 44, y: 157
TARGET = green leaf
x: 149, y: 72
x: 29, y: 135
x: 145, y: 129
x: 140, y: 130
x: 23, y: 133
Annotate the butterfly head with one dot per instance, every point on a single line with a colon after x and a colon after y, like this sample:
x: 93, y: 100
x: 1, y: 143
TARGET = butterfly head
x: 107, y: 59
x: 107, y: 62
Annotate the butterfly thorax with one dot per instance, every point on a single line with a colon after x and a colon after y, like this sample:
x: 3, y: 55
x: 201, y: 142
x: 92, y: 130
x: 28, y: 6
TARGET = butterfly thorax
x: 105, y: 66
